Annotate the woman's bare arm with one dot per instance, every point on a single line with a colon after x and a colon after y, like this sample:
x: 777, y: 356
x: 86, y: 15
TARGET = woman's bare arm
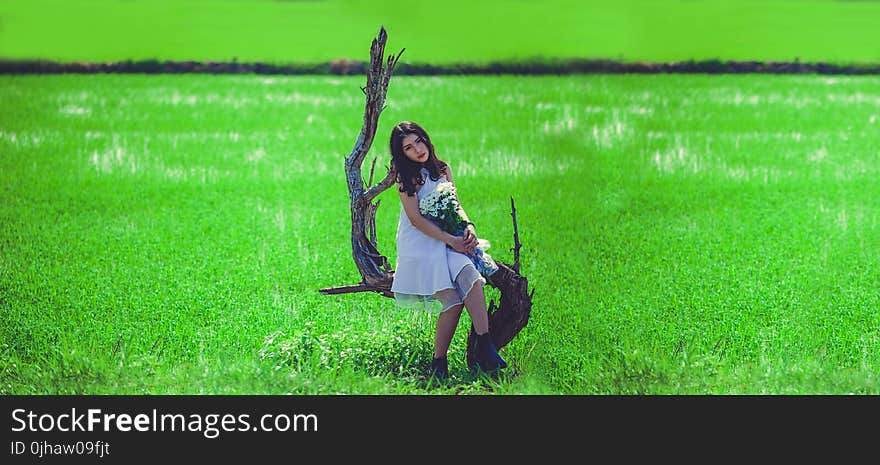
x: 411, y: 207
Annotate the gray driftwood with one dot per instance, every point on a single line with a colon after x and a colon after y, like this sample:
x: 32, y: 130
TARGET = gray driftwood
x: 512, y: 314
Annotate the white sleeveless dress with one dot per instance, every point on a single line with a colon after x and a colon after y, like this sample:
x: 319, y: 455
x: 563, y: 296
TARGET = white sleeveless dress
x: 429, y: 275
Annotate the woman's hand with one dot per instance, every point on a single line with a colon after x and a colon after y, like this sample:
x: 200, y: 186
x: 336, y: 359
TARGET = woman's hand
x: 464, y: 244
x: 470, y: 236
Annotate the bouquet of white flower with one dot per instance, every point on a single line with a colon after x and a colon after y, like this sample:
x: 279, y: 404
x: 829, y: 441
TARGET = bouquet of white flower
x: 441, y: 207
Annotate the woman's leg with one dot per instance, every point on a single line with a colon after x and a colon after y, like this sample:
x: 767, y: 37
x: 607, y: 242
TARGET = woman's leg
x: 475, y: 303
x: 446, y: 324
x: 487, y: 356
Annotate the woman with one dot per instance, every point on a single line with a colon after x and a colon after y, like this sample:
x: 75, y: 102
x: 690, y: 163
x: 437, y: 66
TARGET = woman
x: 434, y: 271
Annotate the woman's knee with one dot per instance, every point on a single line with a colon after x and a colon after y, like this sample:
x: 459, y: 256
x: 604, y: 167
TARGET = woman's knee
x: 475, y: 290
x: 454, y: 311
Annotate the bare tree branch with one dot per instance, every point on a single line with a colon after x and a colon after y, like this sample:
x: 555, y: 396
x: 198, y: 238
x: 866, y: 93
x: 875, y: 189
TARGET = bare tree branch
x: 384, y: 184
x: 516, y: 244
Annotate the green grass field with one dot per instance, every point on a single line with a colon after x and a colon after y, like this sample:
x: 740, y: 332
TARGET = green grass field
x: 441, y: 32
x: 685, y: 234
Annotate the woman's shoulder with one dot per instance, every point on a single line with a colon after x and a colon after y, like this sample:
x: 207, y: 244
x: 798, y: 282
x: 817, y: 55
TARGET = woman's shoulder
x: 446, y: 171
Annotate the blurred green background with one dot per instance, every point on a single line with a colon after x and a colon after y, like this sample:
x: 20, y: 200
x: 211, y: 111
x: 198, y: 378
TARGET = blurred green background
x: 684, y: 234
x: 441, y: 32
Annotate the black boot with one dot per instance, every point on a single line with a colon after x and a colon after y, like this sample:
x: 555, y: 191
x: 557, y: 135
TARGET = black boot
x: 439, y: 368
x: 487, y: 356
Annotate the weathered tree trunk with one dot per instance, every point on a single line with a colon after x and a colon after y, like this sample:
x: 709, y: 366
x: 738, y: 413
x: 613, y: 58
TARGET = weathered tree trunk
x: 510, y: 317
x: 374, y: 268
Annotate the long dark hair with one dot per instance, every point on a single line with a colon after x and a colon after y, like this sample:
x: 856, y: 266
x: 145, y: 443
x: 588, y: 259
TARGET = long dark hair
x: 408, y: 171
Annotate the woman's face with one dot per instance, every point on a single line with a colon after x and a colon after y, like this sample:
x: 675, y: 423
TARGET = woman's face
x: 415, y: 148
